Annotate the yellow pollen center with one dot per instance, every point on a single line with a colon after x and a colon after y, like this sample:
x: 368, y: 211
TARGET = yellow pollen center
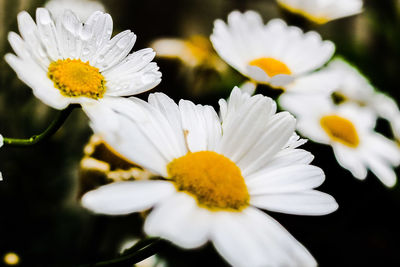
x: 212, y: 179
x: 75, y: 78
x: 271, y: 66
x: 340, y: 130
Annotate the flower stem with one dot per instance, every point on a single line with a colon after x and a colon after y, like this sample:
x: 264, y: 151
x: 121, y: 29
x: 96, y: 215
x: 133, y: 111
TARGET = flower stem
x: 52, y: 129
x: 138, y: 252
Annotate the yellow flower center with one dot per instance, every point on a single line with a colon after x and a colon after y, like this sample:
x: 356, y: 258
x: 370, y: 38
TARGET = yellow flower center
x: 75, y: 78
x: 340, y: 130
x: 212, y: 179
x: 271, y: 66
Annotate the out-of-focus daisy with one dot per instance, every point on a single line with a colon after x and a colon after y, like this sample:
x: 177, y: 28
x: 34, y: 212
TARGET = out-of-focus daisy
x: 346, y: 84
x: 82, y: 8
x: 217, y: 172
x: 195, y: 51
x: 274, y: 53
x: 323, y: 11
x: 101, y: 165
x: 67, y: 61
x: 349, y: 129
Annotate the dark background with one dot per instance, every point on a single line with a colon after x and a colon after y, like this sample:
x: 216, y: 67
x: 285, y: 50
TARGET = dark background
x: 40, y: 216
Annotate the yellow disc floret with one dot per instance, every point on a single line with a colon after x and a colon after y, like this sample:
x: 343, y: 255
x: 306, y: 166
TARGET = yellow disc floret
x: 75, y: 78
x: 271, y: 66
x: 340, y: 130
x: 212, y: 179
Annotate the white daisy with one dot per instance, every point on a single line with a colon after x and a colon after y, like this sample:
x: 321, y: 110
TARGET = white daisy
x: 67, y: 61
x: 323, y: 11
x: 274, y: 53
x: 217, y: 172
x: 349, y: 129
x: 346, y: 84
x: 82, y: 8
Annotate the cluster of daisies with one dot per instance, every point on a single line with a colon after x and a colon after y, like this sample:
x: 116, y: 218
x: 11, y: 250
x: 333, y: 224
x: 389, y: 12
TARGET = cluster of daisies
x: 216, y: 172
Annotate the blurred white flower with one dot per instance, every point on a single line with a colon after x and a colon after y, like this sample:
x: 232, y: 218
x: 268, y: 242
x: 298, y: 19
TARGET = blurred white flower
x: 195, y: 51
x: 323, y: 11
x: 67, y: 61
x: 217, y: 173
x: 82, y: 8
x: 349, y: 129
x: 274, y: 54
x: 346, y: 84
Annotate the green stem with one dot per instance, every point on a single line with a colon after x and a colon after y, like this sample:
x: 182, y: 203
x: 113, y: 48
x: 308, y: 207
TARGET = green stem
x: 138, y: 252
x: 52, y: 129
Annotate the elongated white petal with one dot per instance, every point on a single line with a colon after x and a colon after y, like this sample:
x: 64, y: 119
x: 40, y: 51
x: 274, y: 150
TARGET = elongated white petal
x: 201, y: 126
x: 95, y: 33
x: 139, y: 132
x: 36, y: 78
x: 133, y: 75
x: 277, y: 133
x: 301, y: 203
x: 48, y: 33
x: 179, y: 219
x: 114, y: 50
x: 381, y: 169
x: 68, y: 30
x: 294, y: 178
x: 252, y: 238
x: 350, y: 160
x: 127, y: 197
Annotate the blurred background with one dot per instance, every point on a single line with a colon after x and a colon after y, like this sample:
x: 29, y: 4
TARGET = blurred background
x: 41, y: 220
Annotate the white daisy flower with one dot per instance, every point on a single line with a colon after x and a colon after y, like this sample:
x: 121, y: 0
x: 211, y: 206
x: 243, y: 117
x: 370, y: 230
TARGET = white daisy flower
x: 274, y: 53
x: 217, y: 173
x: 345, y: 84
x: 66, y: 61
x: 82, y: 8
x: 349, y: 129
x: 323, y: 11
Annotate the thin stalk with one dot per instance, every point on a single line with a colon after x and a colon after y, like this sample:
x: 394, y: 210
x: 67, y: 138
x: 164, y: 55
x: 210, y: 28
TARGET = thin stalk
x: 138, y: 252
x: 51, y: 129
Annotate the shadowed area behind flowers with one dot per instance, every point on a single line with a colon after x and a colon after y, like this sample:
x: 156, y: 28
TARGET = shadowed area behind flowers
x: 41, y: 219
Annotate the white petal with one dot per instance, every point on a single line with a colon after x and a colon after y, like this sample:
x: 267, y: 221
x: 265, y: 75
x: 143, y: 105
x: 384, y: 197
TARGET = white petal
x: 133, y: 75
x: 48, y: 33
x: 244, y: 124
x: 277, y: 133
x: 201, y: 125
x: 349, y: 159
x: 95, y: 33
x: 36, y: 78
x: 287, y: 157
x: 29, y: 32
x: 68, y: 31
x: 114, y: 50
x: 301, y: 203
x: 180, y: 220
x: 252, y: 238
x: 139, y: 132
x: 381, y: 169
x: 292, y: 178
x: 127, y: 197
